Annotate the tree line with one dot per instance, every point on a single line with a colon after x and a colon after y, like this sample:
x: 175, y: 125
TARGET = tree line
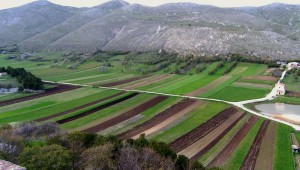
x: 26, y: 79
x: 46, y: 146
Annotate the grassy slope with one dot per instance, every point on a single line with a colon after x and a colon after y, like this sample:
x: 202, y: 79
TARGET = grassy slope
x: 195, y: 118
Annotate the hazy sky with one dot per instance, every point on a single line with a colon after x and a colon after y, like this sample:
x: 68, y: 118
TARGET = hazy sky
x: 88, y: 3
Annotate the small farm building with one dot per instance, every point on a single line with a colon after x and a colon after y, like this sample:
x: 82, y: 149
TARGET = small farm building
x: 280, y: 88
x: 293, y: 65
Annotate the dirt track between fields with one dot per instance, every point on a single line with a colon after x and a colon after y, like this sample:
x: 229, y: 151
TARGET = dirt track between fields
x: 79, y: 107
x: 91, y: 111
x: 226, y: 152
x: 47, y: 92
x: 124, y: 81
x: 209, y: 86
x: 170, y: 120
x: 201, y: 146
x: 157, y: 119
x: 263, y: 78
x: 265, y: 156
x: 148, y: 81
x: 127, y: 115
x: 199, y: 132
x: 251, y: 157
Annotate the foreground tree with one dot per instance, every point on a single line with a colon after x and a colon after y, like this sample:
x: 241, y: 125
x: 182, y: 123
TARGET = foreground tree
x: 46, y: 158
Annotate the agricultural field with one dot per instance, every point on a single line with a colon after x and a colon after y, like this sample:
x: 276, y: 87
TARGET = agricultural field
x: 127, y: 96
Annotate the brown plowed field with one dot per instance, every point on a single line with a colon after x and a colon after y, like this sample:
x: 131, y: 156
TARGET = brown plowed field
x: 209, y: 86
x: 124, y: 81
x: 201, y: 146
x: 47, y: 92
x: 157, y: 119
x: 135, y: 111
x: 79, y: 107
x: 250, y: 159
x: 293, y: 94
x: 219, y: 160
x: 265, y: 156
x: 146, y: 82
x: 91, y: 111
x: 170, y: 120
x: 199, y: 132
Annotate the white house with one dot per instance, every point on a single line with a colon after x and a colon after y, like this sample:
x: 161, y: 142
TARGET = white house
x: 293, y: 65
x: 280, y: 88
x: 3, y: 74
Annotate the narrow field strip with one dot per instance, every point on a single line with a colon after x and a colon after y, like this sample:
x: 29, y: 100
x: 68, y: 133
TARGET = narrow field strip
x: 127, y: 115
x: 160, y: 117
x: 252, y: 85
x: 211, y: 85
x: 146, y: 82
x: 226, y: 152
x: 168, y: 121
x: 124, y: 81
x: 251, y: 157
x: 86, y: 77
x: 265, y: 156
x: 68, y: 119
x: 48, y: 92
x: 201, y: 146
x: 79, y: 107
x: 199, y: 132
x: 293, y: 94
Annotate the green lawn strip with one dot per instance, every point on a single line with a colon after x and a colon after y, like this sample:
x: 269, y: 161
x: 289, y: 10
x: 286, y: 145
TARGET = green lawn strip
x: 87, y: 77
x: 288, y: 100
x: 181, y: 83
x: 254, y: 81
x: 47, y: 110
x: 60, y: 97
x: 13, y: 96
x: 194, y: 85
x: 219, y: 87
x: 106, y: 112
x: 283, y: 154
x: 222, y: 69
x: 297, y: 134
x: 149, y: 113
x: 162, y: 83
x: 231, y: 93
x: 194, y: 119
x: 252, y: 86
x: 253, y: 69
x: 237, y: 157
x: 222, y: 143
x: 293, y: 85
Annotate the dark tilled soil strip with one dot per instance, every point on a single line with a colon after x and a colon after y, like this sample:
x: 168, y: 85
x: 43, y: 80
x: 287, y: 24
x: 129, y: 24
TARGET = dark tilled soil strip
x: 157, y: 119
x: 124, y: 81
x: 233, y: 143
x: 47, y: 92
x: 250, y: 159
x: 199, y: 132
x: 79, y: 107
x: 293, y: 94
x: 68, y: 119
x: 217, y: 139
x: 135, y: 111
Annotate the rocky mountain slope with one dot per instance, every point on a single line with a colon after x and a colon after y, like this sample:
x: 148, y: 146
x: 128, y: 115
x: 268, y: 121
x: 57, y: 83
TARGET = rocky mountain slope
x: 186, y: 28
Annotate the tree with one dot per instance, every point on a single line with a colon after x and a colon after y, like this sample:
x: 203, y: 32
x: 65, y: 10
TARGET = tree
x: 182, y: 163
x: 99, y: 157
x: 46, y: 158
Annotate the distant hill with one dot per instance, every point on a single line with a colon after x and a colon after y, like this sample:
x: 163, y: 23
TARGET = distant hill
x: 186, y: 28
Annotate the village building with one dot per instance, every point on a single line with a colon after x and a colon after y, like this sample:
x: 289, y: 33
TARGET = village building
x: 5, y: 165
x: 3, y: 74
x: 293, y: 65
x: 280, y: 88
